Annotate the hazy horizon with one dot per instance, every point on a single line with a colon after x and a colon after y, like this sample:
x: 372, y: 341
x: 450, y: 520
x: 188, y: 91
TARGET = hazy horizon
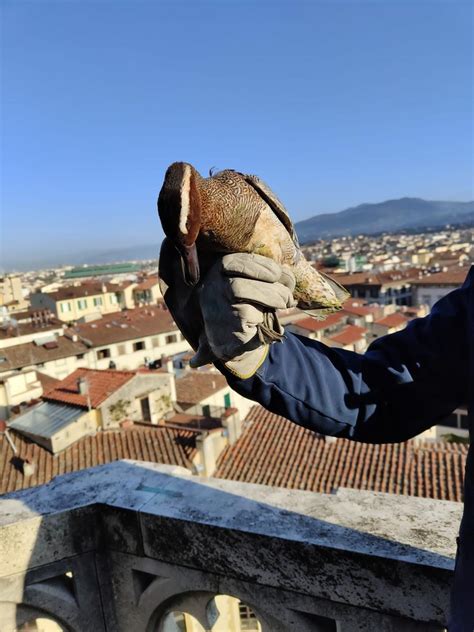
x: 334, y: 104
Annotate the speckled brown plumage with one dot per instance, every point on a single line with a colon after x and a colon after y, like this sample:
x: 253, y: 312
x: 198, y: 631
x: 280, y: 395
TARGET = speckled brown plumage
x: 240, y: 213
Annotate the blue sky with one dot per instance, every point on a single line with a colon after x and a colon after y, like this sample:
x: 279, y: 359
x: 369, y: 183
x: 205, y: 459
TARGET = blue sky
x: 333, y: 103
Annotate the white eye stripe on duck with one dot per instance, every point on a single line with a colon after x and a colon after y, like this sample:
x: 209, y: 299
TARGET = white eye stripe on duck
x: 185, y: 186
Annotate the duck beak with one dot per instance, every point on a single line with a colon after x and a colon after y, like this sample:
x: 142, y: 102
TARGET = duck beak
x: 190, y: 264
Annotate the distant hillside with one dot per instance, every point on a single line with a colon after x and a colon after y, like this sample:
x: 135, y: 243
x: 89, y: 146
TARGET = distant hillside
x: 388, y: 216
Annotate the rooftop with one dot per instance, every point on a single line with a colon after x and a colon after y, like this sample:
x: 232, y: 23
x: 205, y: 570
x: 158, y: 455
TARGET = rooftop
x: 147, y: 283
x: 393, y: 320
x: 126, y: 325
x: 313, y: 324
x: 194, y: 386
x: 29, y: 354
x: 85, y: 289
x: 349, y: 335
x: 157, y: 444
x: 454, y: 277
x: 274, y: 451
x: 45, y: 419
x: 377, y: 278
x: 100, y: 383
x: 102, y: 270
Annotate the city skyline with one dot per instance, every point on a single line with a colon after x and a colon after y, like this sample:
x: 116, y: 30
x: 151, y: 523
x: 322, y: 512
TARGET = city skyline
x: 333, y: 104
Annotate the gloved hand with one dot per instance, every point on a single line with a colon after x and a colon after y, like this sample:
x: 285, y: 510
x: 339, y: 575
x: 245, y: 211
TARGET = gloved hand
x: 230, y: 316
x: 239, y: 297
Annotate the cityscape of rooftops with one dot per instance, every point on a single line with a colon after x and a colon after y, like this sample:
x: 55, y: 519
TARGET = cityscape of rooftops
x: 338, y: 107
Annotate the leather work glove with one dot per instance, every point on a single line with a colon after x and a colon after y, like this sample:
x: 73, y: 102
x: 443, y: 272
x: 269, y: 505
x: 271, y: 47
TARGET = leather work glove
x: 230, y: 316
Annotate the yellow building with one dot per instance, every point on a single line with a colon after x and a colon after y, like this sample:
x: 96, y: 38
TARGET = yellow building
x: 11, y: 293
x: 84, y: 301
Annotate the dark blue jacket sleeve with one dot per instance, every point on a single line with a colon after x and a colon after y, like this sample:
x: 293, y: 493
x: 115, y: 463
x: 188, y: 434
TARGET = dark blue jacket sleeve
x: 403, y: 384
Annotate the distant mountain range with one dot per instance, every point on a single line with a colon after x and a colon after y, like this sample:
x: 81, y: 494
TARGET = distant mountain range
x: 389, y: 216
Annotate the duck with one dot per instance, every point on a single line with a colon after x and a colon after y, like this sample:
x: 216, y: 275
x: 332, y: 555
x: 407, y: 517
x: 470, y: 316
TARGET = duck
x: 228, y: 212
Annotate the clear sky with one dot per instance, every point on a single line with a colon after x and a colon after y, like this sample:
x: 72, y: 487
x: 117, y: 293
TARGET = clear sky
x: 333, y: 103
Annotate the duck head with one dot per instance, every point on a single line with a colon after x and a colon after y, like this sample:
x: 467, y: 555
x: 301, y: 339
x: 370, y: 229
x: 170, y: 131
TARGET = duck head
x: 179, y: 208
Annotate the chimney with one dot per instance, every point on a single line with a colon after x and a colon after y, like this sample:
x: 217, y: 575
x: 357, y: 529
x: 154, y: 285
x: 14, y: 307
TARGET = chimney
x: 82, y: 386
x: 29, y: 467
x: 232, y: 423
x: 206, y: 452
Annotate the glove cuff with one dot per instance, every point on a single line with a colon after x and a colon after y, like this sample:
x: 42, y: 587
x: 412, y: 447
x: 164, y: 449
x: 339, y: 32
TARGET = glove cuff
x: 247, y: 364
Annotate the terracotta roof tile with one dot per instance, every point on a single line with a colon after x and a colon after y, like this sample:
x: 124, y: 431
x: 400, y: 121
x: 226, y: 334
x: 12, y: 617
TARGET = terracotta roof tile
x: 194, y: 386
x: 29, y: 353
x: 393, y: 320
x: 101, y: 385
x: 157, y: 444
x: 377, y: 278
x: 146, y: 284
x: 349, y: 335
x: 274, y: 451
x: 126, y: 325
x: 453, y: 278
x: 312, y: 324
x: 85, y: 289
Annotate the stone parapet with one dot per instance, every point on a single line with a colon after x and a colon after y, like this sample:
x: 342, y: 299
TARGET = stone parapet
x: 119, y: 546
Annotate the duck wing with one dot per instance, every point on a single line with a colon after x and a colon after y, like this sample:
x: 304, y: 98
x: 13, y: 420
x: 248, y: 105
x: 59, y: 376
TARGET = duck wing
x: 273, y: 202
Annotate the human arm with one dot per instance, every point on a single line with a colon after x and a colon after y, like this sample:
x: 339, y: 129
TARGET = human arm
x: 402, y: 385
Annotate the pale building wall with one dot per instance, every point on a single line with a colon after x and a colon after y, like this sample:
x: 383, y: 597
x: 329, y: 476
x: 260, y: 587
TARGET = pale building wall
x: 16, y: 388
x: 79, y: 308
x: 37, y: 335
x: 299, y: 331
x: 242, y: 404
x: 11, y: 290
x: 426, y: 295
x: 382, y: 330
x: 82, y: 426
x: 156, y: 387
x: 122, y: 354
x: 126, y: 357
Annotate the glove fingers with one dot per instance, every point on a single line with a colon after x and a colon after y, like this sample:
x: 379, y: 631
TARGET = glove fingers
x: 287, y: 278
x: 251, y: 266
x: 270, y: 295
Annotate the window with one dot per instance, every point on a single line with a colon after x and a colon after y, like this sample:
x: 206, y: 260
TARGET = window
x: 171, y: 338
x: 155, y: 342
x: 139, y: 346
x: 80, y: 356
x: 97, y: 301
x: 248, y: 619
x: 121, y: 349
x: 65, y: 307
x: 82, y: 303
x: 113, y: 299
x: 227, y: 400
x: 103, y: 353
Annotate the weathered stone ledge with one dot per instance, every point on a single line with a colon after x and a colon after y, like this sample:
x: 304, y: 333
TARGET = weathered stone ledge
x: 359, y: 554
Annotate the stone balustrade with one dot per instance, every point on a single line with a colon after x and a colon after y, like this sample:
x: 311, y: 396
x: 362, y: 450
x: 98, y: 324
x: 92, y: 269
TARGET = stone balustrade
x: 120, y: 547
